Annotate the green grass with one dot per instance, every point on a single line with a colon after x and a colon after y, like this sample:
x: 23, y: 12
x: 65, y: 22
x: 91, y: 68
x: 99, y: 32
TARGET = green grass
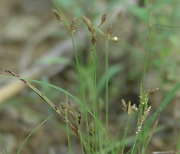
x: 95, y: 138
x: 32, y: 132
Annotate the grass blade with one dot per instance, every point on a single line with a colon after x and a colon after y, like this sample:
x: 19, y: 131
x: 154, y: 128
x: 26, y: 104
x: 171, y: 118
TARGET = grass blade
x: 61, y: 90
x: 113, y: 70
x: 33, y: 131
x: 163, y: 105
x: 166, y: 26
x: 3, y: 145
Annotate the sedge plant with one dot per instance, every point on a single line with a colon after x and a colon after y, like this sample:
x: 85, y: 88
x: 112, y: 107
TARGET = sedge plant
x: 95, y: 138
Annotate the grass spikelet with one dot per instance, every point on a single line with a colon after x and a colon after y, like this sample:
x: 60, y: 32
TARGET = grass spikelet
x: 103, y: 20
x: 58, y: 16
x: 88, y: 23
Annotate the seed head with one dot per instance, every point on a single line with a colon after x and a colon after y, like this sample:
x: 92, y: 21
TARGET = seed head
x: 58, y: 16
x: 152, y: 91
x: 73, y: 24
x: 79, y: 119
x: 94, y: 40
x: 91, y: 129
x: 146, y: 112
x: 103, y: 19
x: 142, y: 119
x: 124, y: 105
x: 86, y: 20
x: 88, y: 24
x: 130, y: 109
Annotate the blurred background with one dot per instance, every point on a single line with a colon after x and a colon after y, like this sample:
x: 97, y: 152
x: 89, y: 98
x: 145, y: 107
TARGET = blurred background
x: 34, y: 45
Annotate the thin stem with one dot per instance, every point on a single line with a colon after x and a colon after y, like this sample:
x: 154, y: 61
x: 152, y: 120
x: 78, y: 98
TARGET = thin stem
x: 67, y: 128
x: 134, y: 145
x: 149, y: 44
x: 94, y: 99
x: 125, y: 134
x: 116, y: 139
x: 107, y: 92
x: 82, y: 143
x: 166, y: 26
x: 145, y: 69
x: 22, y: 145
x: 64, y: 17
x: 82, y: 87
x: 150, y: 136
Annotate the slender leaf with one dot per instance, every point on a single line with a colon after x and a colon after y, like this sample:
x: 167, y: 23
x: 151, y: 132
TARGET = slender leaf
x: 113, y: 70
x: 32, y: 132
x: 163, y: 105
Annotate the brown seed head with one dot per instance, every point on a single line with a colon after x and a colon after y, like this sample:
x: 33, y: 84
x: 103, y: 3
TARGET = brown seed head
x: 88, y: 24
x: 153, y: 91
x: 79, y: 119
x: 86, y: 20
x: 58, y: 15
x: 94, y: 40
x: 103, y: 19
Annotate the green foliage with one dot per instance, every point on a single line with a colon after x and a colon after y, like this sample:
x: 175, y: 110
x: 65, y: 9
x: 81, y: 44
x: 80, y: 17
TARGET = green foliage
x: 162, y: 42
x: 141, y: 13
x: 73, y: 5
x: 113, y: 70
